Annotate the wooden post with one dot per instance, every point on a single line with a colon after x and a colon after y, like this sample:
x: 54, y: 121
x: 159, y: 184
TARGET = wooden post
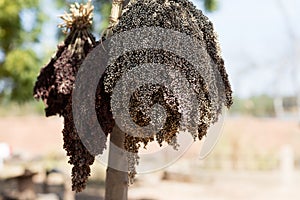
x: 116, y: 185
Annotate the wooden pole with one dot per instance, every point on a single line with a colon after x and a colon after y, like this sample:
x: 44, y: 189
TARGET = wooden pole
x: 116, y: 185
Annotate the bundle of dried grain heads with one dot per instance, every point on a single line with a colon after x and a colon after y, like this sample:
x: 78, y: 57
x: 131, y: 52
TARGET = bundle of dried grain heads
x: 181, y: 16
x: 55, y: 83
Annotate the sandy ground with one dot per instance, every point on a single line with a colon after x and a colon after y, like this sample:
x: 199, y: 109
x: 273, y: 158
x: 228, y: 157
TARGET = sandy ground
x: 37, y: 135
x: 33, y: 136
x: 232, y: 185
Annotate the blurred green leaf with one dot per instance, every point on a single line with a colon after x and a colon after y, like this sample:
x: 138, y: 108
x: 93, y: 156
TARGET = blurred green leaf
x: 211, y: 5
x: 19, y: 65
x: 22, y: 67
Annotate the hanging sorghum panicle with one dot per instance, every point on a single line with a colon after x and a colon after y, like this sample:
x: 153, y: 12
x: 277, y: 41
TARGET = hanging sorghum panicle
x: 55, y: 83
x: 181, y: 16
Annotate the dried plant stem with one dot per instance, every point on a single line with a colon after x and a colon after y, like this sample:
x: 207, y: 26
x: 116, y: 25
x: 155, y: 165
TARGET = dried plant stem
x: 115, y: 13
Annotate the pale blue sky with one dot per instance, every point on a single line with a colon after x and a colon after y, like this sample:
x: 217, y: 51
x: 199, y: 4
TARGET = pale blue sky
x: 259, y: 53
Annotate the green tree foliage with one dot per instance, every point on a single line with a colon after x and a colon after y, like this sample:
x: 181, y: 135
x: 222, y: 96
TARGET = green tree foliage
x: 18, y: 63
x: 211, y: 5
x: 21, y: 66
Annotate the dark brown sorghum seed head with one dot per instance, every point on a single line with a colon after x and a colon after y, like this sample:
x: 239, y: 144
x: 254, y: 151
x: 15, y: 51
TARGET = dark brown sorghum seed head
x: 55, y: 84
x: 181, y: 16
